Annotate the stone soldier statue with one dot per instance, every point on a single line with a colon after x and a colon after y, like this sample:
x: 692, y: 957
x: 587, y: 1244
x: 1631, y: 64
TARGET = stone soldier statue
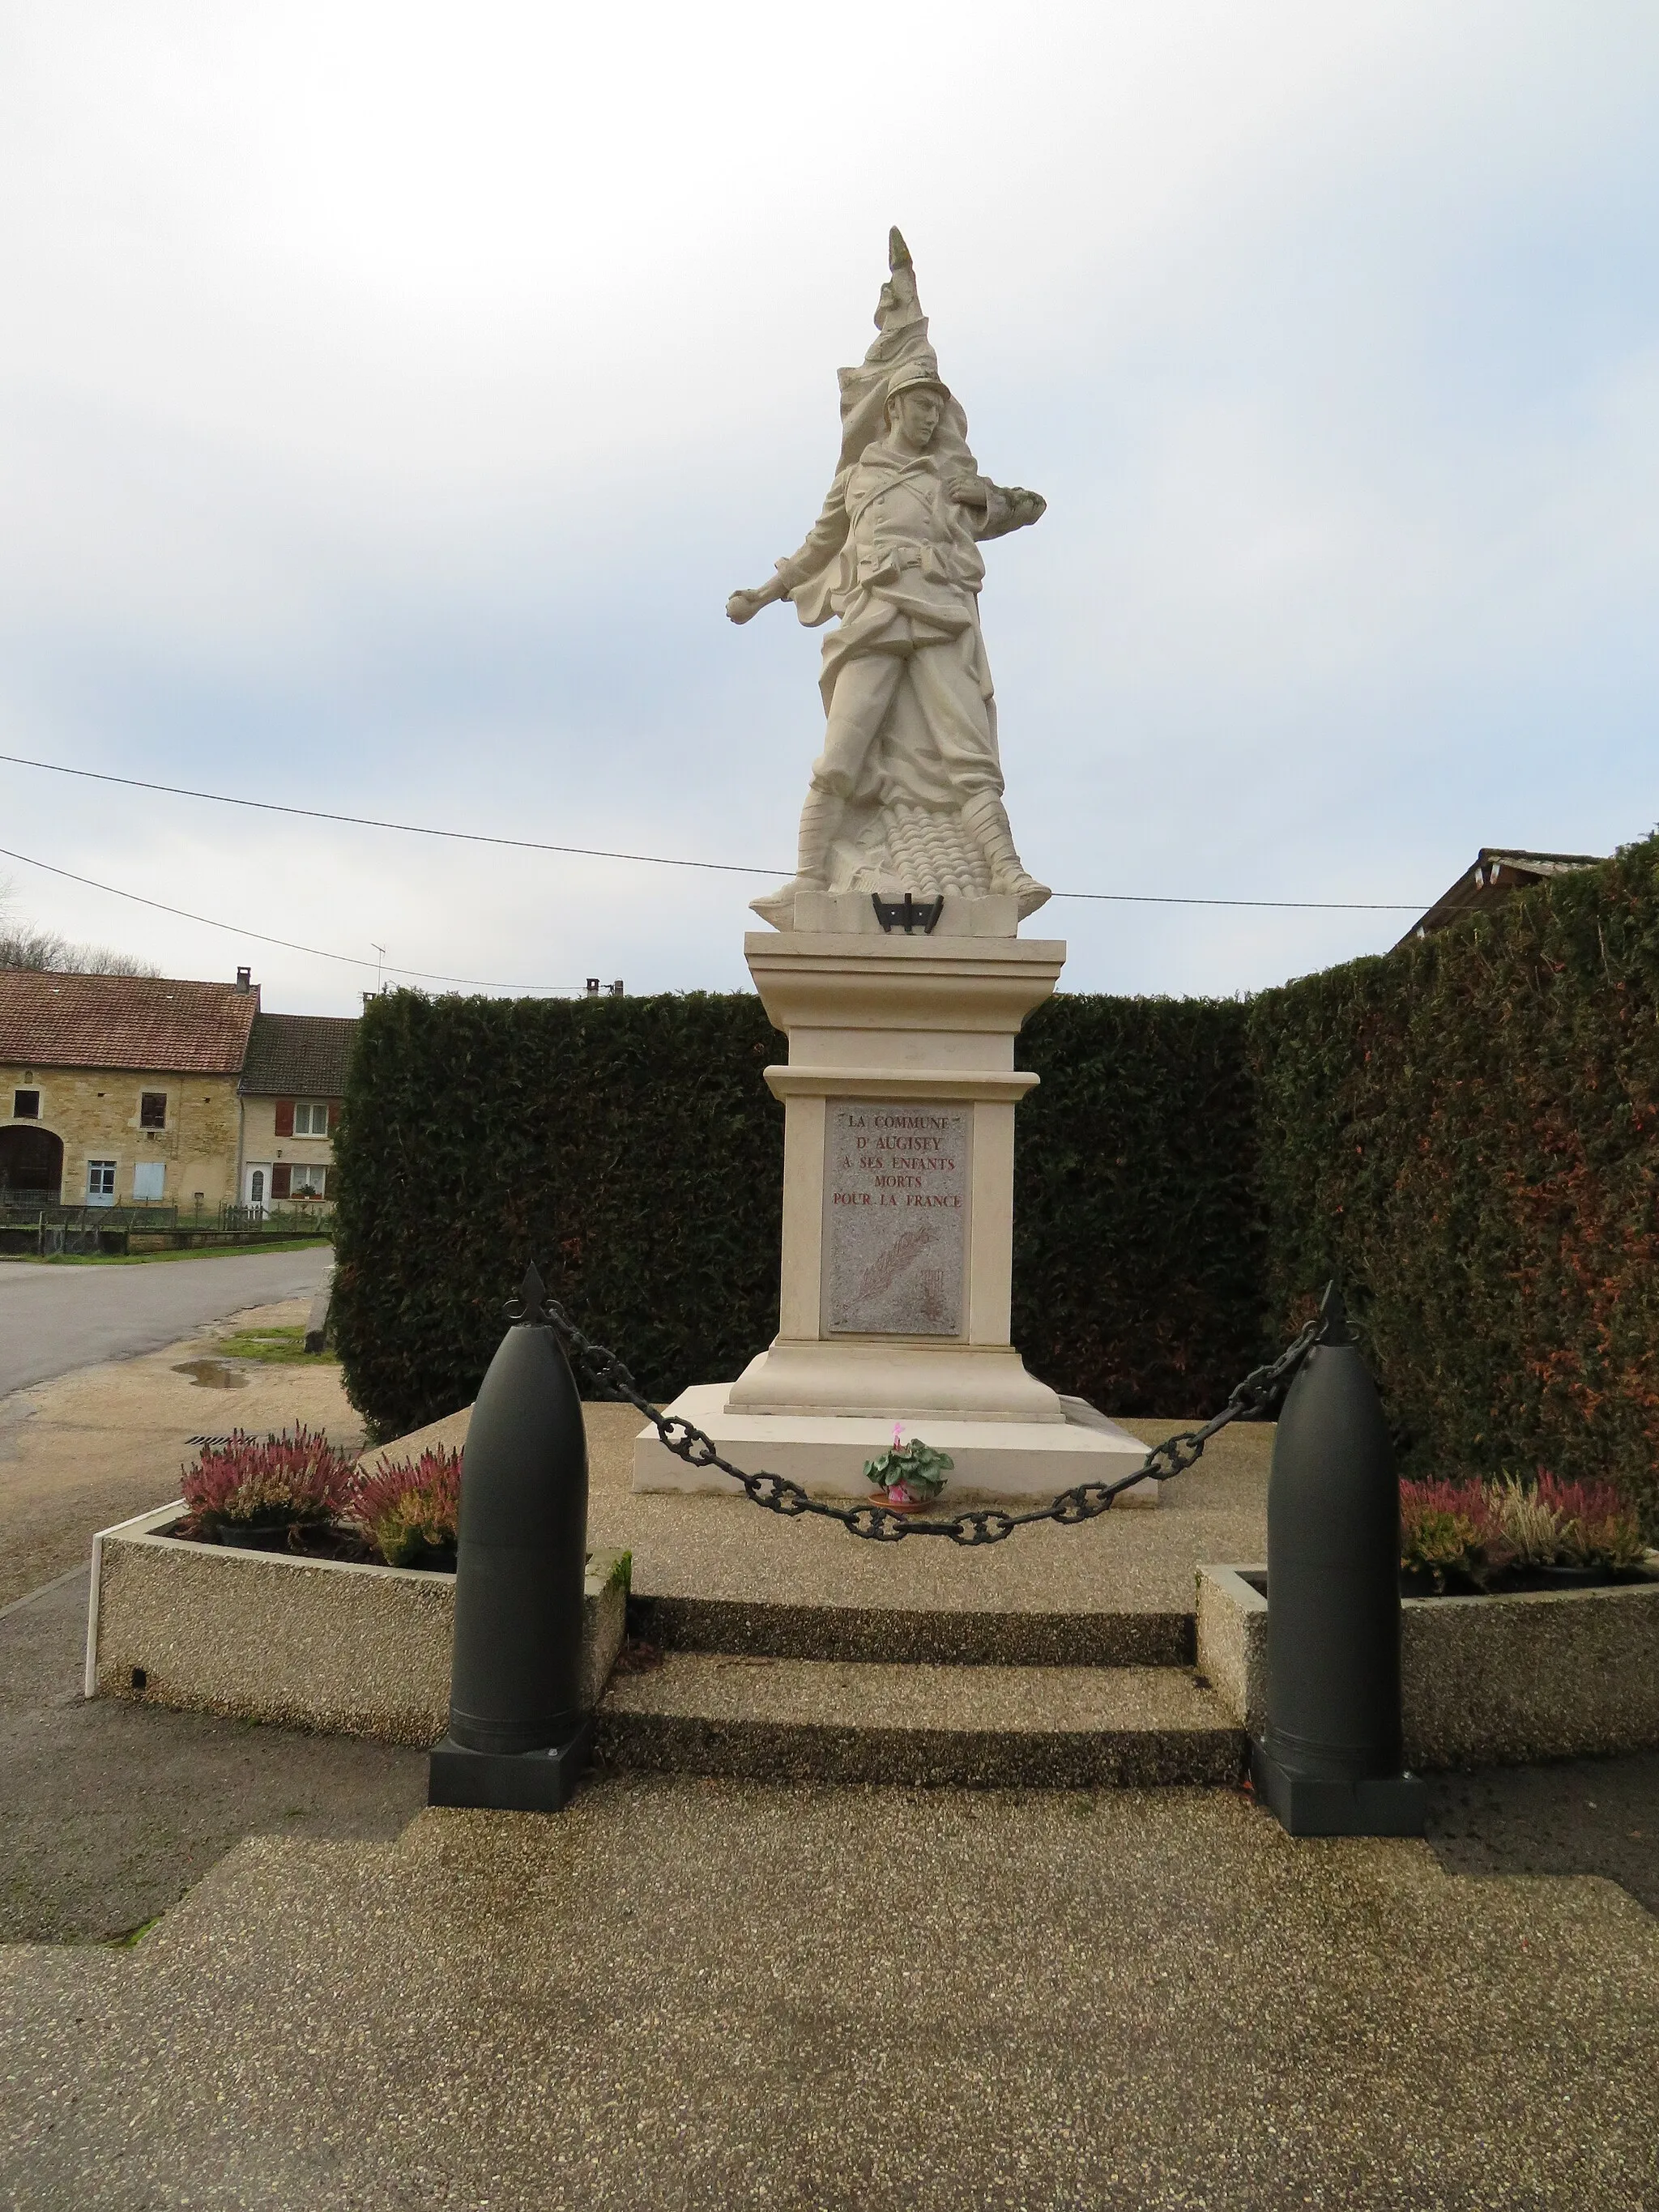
x: 907, y: 794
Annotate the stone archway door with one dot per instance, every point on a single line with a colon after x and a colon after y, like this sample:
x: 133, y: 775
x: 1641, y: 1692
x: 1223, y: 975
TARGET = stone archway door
x: 30, y: 1166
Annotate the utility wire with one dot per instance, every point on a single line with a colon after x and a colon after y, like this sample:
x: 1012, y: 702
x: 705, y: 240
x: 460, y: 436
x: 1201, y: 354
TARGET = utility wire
x: 235, y: 929
x: 373, y: 821
x: 651, y: 860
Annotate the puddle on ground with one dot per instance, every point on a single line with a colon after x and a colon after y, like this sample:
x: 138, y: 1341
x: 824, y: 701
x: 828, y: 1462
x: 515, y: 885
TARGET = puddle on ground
x: 211, y: 1374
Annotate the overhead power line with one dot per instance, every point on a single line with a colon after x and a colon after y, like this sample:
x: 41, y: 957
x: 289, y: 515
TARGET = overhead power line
x: 262, y: 937
x: 646, y: 860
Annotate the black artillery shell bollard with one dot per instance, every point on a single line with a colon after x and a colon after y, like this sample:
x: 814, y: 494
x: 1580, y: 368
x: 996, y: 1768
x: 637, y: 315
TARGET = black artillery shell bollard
x: 1331, y: 1763
x: 517, y: 1737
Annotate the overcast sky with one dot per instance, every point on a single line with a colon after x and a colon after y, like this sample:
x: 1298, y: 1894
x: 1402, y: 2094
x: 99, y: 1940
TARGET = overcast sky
x: 392, y: 396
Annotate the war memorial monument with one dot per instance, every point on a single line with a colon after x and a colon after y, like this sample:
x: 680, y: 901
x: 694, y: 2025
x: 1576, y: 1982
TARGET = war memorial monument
x: 894, y: 963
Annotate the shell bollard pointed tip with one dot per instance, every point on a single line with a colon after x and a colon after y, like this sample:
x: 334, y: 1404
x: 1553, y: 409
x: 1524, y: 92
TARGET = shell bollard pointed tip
x: 530, y: 1305
x: 1333, y: 1313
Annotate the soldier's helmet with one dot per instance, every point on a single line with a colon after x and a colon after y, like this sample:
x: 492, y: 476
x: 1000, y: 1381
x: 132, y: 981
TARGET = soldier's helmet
x: 919, y: 372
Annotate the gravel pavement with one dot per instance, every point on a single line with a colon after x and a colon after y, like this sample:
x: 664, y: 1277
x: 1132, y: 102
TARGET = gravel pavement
x: 54, y: 1318
x: 714, y: 1996
x: 691, y: 1993
x: 88, y: 1449
x: 112, y: 1811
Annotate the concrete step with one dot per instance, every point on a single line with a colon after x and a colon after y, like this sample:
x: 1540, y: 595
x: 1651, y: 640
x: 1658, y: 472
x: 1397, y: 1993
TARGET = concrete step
x: 784, y: 1719
x: 914, y: 1635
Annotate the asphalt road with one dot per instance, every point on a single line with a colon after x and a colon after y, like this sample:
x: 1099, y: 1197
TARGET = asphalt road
x: 55, y: 1319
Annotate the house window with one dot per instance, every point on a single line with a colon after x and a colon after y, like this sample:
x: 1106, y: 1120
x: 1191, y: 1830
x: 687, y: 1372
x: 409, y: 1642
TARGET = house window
x: 25, y: 1105
x: 307, y: 1182
x: 152, y: 1110
x: 311, y: 1117
x: 150, y: 1179
x: 100, y: 1182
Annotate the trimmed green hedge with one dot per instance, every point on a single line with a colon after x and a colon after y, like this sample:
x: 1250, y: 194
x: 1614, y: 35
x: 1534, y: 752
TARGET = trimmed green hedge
x: 1465, y: 1132
x: 629, y: 1146
x: 1138, y: 1245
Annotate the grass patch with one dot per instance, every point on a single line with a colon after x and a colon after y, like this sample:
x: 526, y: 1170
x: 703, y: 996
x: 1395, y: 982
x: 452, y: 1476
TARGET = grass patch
x: 148, y: 1259
x: 130, y: 1938
x: 281, y: 1347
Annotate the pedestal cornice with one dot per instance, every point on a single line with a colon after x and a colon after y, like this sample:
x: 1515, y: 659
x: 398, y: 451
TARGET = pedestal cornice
x: 1009, y: 1085
x: 819, y: 981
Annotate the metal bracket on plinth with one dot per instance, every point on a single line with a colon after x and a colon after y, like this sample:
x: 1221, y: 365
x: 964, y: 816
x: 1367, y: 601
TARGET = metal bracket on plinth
x: 908, y: 913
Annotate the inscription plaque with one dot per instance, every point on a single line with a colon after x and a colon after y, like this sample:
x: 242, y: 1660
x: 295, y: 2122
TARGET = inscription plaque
x: 895, y: 1216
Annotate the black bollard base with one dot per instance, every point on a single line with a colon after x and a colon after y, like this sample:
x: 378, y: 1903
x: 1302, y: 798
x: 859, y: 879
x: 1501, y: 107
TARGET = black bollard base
x: 509, y: 1781
x: 1304, y: 1805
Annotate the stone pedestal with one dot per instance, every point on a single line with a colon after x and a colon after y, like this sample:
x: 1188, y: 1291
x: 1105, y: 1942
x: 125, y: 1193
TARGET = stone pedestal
x: 898, y: 1177
x: 899, y: 1097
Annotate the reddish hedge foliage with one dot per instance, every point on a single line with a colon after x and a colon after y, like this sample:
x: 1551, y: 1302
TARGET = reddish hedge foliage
x: 1466, y: 1132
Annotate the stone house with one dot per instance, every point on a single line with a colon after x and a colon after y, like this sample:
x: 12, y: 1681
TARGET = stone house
x: 291, y: 1087
x: 136, y: 1089
x: 121, y: 1089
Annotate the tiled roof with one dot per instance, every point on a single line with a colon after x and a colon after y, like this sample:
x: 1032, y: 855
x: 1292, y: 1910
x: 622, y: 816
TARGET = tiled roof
x: 1496, y: 873
x: 299, y: 1056
x: 148, y: 1021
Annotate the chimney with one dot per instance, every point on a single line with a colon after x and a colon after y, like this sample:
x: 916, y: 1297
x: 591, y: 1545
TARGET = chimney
x: 244, y: 979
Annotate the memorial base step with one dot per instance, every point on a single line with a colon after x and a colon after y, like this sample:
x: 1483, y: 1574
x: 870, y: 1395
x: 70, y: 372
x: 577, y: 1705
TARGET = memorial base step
x: 901, y: 1635
x: 826, y: 1453
x: 764, y: 1718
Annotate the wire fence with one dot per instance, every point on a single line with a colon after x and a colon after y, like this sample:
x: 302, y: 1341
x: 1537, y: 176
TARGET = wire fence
x: 50, y: 1228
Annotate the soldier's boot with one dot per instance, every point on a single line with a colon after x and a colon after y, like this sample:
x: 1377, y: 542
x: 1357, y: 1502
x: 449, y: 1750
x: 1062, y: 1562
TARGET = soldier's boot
x: 986, y: 823
x: 818, y: 818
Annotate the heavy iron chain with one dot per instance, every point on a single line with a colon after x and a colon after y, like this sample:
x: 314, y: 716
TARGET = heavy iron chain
x: 881, y: 1523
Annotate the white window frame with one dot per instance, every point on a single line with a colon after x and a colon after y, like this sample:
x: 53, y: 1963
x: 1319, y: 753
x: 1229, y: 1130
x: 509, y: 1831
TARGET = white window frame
x: 306, y: 1189
x: 311, y: 1108
x: 102, y: 1194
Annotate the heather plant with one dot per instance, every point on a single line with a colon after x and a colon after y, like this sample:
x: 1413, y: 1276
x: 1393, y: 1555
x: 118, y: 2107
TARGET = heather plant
x: 251, y: 1485
x: 1471, y: 1530
x: 1449, y: 1529
x: 1531, y: 1525
x: 409, y: 1511
x: 1597, y: 1527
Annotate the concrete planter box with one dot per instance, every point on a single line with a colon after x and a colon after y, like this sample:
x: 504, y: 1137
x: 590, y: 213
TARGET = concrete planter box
x: 1488, y: 1682
x: 348, y: 1649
